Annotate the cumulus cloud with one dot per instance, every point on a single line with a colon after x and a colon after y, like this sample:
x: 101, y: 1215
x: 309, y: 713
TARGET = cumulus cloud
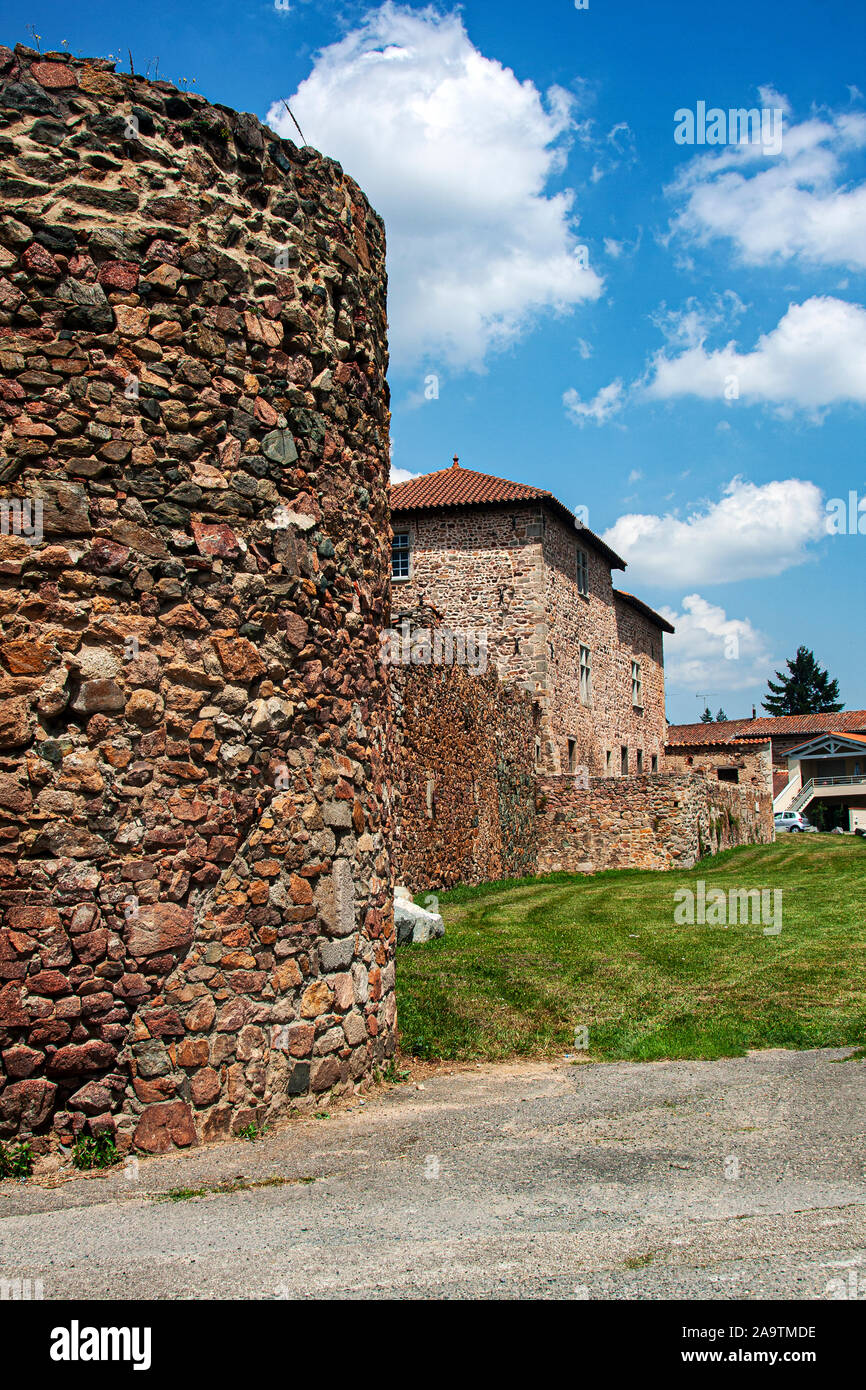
x: 456, y: 153
x: 710, y: 651
x: 750, y: 533
x: 797, y: 204
x: 815, y: 357
x: 401, y: 475
x: 604, y: 404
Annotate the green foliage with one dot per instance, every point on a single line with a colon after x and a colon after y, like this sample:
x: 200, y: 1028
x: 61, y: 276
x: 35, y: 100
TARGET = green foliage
x: 252, y: 1131
x: 95, y: 1151
x: 707, y: 716
x: 16, y: 1161
x: 806, y: 689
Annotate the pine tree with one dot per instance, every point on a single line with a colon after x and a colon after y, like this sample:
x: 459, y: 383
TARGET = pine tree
x: 721, y: 717
x: 805, y: 690
x: 707, y: 716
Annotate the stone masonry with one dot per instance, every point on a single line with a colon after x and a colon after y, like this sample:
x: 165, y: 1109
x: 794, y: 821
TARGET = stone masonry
x: 464, y: 773
x: 194, y: 868
x: 661, y: 821
x: 509, y: 569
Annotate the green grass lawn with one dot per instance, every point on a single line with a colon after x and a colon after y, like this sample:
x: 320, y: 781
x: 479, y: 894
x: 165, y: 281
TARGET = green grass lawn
x: 526, y: 962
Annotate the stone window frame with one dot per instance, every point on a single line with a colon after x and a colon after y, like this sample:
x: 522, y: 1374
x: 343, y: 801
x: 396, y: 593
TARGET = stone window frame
x: 623, y: 760
x: 654, y: 762
x: 636, y: 685
x: 571, y: 758
x: 639, y: 757
x: 585, y: 659
x: 581, y: 571
x: 401, y: 552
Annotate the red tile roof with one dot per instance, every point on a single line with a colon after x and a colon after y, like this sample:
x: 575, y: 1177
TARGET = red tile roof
x: 644, y: 608
x: 782, y: 725
x: 464, y: 487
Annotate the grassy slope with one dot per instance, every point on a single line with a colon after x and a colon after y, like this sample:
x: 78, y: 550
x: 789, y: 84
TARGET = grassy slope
x: 524, y: 963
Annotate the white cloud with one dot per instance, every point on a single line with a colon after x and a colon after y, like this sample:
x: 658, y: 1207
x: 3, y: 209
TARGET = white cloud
x: 710, y: 651
x: 635, y: 475
x: 456, y: 154
x: 751, y: 533
x: 605, y: 403
x: 401, y: 475
x: 797, y: 204
x: 814, y: 357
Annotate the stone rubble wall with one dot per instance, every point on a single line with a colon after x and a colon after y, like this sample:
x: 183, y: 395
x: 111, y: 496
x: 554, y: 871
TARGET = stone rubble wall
x: 464, y: 773
x: 195, y: 881
x: 655, y: 821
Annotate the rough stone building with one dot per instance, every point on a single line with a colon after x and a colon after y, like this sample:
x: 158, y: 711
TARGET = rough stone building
x: 464, y: 772
x: 511, y: 561
x: 195, y: 881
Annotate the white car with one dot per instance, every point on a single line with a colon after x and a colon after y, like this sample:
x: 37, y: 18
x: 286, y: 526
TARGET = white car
x: 791, y: 820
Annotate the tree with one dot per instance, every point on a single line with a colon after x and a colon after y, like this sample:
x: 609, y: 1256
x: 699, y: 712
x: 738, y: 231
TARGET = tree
x: 721, y: 717
x: 805, y: 690
x: 707, y: 717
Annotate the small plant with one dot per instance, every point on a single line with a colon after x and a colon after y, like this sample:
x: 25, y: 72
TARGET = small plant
x: 252, y: 1131
x: 94, y: 1151
x: 322, y: 1115
x: 393, y: 1074
x: 16, y: 1162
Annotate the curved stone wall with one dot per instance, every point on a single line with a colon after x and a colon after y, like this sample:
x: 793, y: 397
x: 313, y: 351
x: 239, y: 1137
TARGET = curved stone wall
x: 194, y: 872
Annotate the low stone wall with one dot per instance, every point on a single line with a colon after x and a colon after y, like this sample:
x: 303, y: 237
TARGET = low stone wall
x: 194, y: 875
x: 464, y: 777
x: 656, y: 821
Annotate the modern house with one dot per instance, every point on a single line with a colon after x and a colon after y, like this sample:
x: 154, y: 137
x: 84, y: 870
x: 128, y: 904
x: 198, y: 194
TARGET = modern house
x: 511, y: 561
x: 814, y: 759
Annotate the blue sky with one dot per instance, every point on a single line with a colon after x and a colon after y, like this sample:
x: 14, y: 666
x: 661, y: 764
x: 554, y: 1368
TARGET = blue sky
x: 670, y: 335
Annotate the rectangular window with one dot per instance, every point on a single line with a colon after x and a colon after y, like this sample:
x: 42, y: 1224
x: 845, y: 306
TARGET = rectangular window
x: 538, y: 752
x: 400, y: 555
x: 623, y: 760
x: 608, y: 764
x: 636, y: 685
x: 585, y: 676
x: 654, y: 763
x: 728, y: 774
x: 572, y: 754
x: 640, y: 760
x: 582, y: 572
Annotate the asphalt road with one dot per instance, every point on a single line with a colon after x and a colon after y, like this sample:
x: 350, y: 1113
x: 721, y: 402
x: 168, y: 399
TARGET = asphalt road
x: 742, y: 1178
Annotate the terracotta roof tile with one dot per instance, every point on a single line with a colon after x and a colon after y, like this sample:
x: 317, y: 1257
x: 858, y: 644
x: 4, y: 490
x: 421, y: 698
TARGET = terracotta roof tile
x: 782, y: 725
x: 460, y: 487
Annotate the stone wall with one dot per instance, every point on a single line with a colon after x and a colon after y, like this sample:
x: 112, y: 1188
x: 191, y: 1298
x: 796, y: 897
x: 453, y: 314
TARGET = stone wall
x: 464, y: 774
x: 615, y: 634
x: 194, y: 868
x: 481, y: 568
x: 751, y: 762
x: 510, y: 570
x: 663, y: 821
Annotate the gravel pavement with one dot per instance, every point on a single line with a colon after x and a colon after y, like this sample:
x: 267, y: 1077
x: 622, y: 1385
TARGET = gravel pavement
x: 740, y: 1178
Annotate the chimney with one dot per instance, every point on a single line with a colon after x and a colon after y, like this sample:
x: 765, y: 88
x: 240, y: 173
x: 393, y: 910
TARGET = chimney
x: 754, y: 712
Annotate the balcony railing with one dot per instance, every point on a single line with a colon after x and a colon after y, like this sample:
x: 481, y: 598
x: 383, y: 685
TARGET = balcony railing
x: 809, y: 788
